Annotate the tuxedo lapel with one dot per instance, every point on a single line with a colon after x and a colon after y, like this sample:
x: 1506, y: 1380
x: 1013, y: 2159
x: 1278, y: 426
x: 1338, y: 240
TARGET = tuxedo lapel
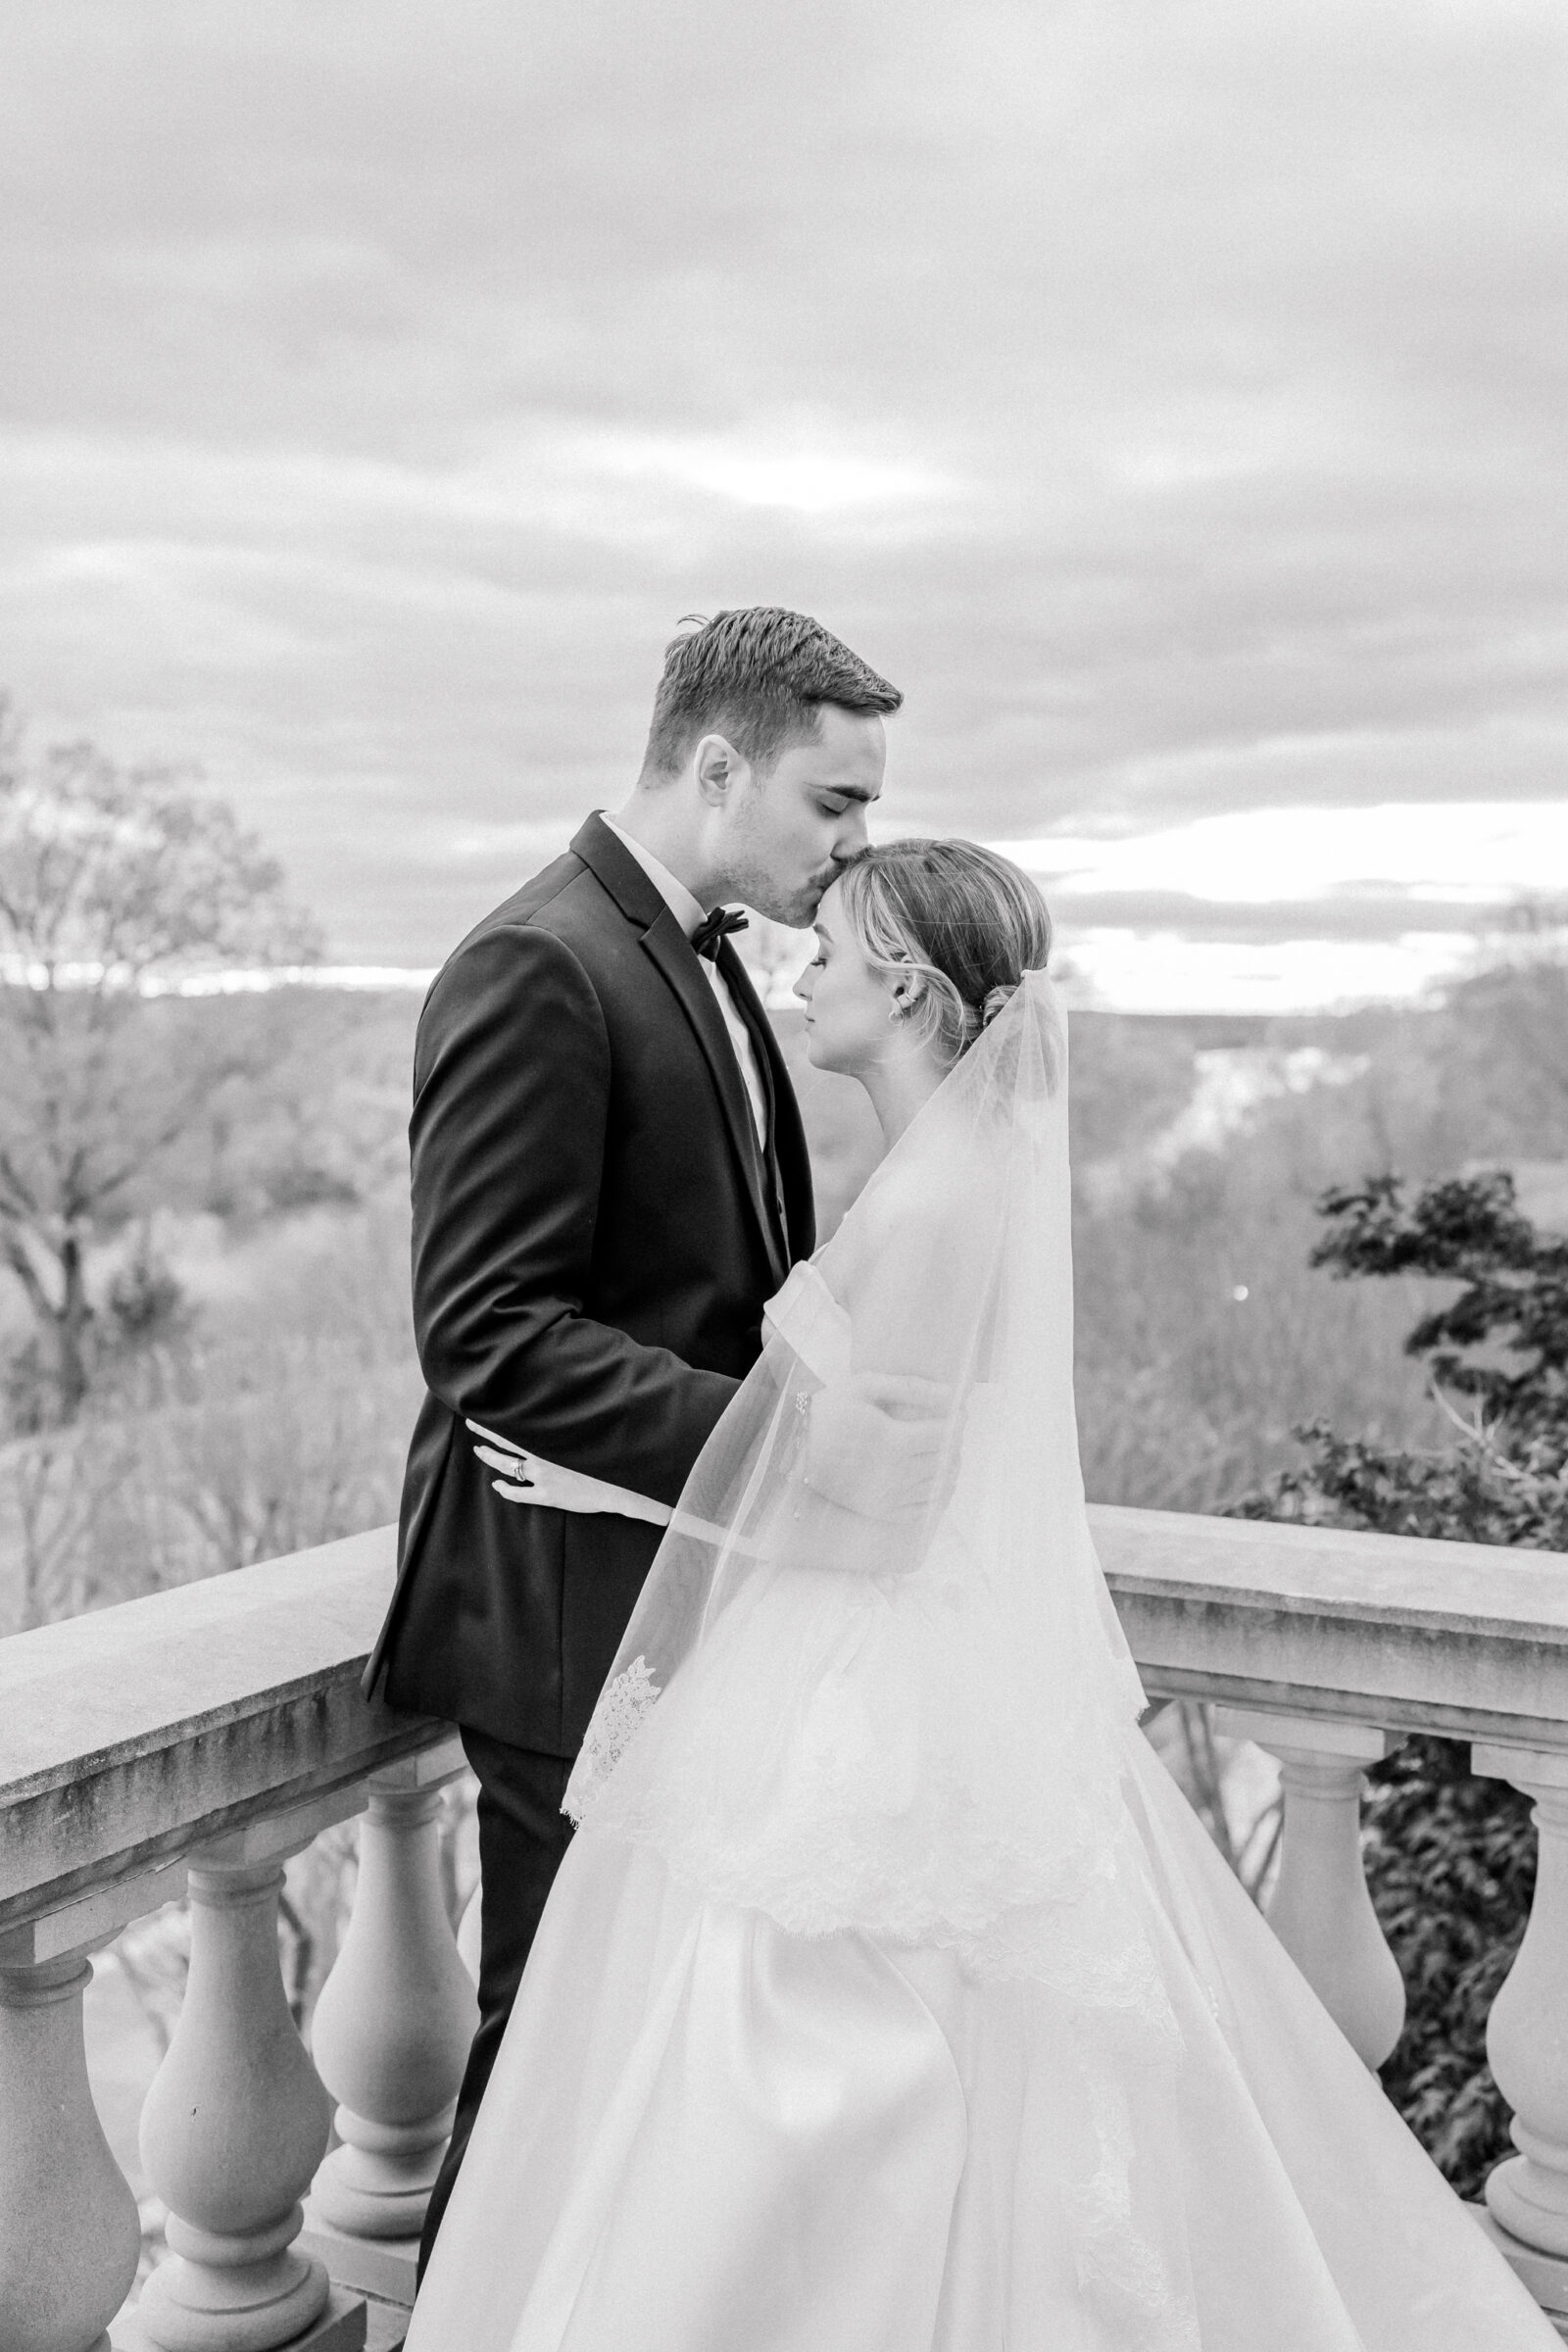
x: 770, y: 1065
x: 665, y: 943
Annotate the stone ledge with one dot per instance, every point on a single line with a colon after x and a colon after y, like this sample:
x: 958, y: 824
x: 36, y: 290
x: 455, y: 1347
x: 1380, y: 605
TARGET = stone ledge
x: 341, y: 2327
x: 1341, y: 1572
x: 107, y: 1687
x: 383, y: 2266
x: 128, y: 1734
x: 1466, y: 1638
x: 204, y: 1783
x: 131, y: 1733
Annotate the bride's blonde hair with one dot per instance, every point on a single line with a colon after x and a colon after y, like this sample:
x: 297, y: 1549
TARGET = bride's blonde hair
x: 963, y: 923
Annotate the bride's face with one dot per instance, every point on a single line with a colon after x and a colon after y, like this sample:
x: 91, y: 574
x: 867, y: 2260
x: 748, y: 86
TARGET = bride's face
x: 852, y: 1022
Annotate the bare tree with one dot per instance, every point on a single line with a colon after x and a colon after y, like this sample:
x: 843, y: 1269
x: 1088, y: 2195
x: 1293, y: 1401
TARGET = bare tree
x: 114, y: 882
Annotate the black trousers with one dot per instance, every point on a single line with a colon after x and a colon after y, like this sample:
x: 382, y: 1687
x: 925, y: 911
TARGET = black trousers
x: 522, y: 1835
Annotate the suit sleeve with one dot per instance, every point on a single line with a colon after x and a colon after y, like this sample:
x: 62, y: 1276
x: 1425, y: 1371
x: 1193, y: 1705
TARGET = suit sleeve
x: 511, y: 1091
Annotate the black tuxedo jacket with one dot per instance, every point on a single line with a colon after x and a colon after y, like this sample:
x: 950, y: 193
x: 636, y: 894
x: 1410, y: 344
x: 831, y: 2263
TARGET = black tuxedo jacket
x: 594, y: 1231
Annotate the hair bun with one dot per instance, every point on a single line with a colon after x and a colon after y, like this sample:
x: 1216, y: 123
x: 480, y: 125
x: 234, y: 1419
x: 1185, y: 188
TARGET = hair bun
x: 995, y: 998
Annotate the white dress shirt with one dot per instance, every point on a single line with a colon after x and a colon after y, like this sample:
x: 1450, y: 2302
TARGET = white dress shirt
x: 689, y: 912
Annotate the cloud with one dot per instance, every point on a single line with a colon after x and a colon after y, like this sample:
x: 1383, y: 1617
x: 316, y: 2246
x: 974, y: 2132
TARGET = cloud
x: 1456, y: 853
x: 1170, y: 399
x: 1171, y: 972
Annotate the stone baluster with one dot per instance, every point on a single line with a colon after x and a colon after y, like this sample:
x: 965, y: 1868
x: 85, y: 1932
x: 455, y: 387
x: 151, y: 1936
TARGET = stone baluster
x: 396, y: 2016
x: 1527, y: 2033
x: 70, y: 2237
x: 236, y: 2121
x: 69, y: 2232
x: 1322, y: 1910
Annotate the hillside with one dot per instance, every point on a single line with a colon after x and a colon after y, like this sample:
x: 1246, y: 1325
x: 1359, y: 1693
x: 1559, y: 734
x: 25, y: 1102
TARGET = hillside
x: 267, y: 1401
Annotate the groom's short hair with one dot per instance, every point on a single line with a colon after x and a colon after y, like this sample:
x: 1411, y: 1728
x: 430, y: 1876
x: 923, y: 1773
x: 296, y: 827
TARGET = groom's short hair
x: 759, y: 676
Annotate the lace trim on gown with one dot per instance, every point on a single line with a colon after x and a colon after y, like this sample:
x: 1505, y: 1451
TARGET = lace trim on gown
x: 617, y: 1719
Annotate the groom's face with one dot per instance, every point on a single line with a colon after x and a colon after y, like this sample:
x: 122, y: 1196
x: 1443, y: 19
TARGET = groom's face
x: 798, y: 823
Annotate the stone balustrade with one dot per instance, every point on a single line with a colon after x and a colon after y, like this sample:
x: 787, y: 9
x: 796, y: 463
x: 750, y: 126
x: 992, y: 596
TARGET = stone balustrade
x: 188, y: 1742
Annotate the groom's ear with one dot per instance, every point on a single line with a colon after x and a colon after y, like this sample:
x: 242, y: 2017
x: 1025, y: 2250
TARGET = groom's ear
x: 720, y: 769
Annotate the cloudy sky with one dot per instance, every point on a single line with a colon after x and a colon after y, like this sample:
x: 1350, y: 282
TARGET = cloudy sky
x: 1168, y: 394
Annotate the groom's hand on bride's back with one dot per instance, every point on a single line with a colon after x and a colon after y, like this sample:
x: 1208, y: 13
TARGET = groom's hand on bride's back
x: 878, y: 1444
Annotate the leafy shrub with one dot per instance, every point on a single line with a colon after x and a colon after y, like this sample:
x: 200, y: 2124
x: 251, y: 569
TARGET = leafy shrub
x: 1450, y: 1858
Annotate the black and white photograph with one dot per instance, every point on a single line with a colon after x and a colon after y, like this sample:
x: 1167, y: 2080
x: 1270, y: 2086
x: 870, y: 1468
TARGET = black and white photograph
x: 783, y: 1176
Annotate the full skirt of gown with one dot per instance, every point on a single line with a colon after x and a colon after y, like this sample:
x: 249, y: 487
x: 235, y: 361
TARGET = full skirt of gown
x: 891, y: 1997
x: 708, y: 2133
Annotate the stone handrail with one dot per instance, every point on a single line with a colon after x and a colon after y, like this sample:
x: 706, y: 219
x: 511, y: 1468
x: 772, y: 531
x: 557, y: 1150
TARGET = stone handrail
x: 133, y: 1733
x: 195, y: 1737
x: 1464, y: 1638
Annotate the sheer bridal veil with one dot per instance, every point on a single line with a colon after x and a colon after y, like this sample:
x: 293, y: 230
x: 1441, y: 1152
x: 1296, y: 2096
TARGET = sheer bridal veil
x: 852, y: 1709
x: 911, y: 1717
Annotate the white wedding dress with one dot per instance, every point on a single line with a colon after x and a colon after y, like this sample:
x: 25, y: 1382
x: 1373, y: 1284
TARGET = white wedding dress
x: 891, y: 1999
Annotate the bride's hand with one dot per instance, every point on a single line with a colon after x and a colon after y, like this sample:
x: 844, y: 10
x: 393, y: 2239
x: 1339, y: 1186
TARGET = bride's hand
x: 524, y: 1479
x: 876, y: 1443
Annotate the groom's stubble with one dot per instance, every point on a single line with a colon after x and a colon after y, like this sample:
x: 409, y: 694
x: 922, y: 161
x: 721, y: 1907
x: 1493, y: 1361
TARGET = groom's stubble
x: 800, y: 821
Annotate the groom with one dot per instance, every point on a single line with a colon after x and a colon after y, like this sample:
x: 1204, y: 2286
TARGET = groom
x: 610, y: 1178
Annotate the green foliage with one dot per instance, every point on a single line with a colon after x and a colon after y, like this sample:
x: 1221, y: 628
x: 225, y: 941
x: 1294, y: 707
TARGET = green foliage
x: 1513, y: 1303
x: 1451, y: 1859
x: 1469, y: 1492
x: 1500, y: 1343
x: 1451, y: 1866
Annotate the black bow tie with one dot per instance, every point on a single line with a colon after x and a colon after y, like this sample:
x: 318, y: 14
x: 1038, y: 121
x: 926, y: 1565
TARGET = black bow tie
x: 714, y: 927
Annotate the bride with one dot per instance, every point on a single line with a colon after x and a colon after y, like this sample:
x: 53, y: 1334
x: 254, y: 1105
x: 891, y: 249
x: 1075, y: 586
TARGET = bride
x: 891, y: 1999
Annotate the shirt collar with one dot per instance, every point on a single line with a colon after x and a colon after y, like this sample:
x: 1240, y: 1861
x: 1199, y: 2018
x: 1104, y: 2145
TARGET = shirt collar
x: 687, y: 911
